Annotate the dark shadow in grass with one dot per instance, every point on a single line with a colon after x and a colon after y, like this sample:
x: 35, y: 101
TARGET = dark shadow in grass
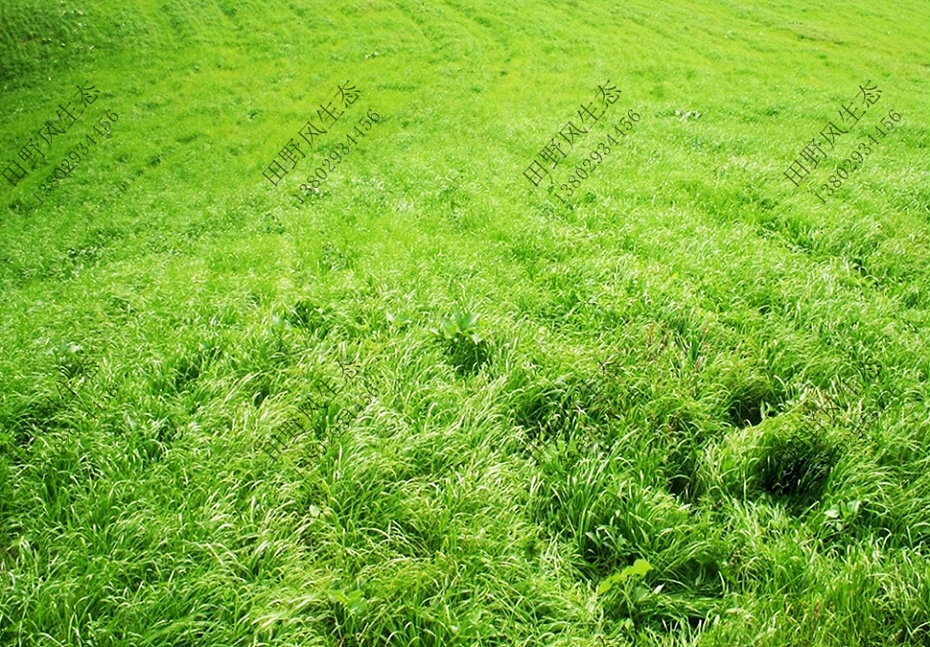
x: 681, y: 436
x: 546, y: 412
x: 794, y: 467
x: 557, y: 409
x: 467, y: 356
x: 310, y: 317
x: 680, y: 469
x: 188, y: 368
x: 28, y: 419
x: 459, y: 339
x: 745, y: 403
x: 263, y: 389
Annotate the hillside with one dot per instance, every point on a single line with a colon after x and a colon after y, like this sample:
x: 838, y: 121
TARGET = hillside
x: 463, y: 323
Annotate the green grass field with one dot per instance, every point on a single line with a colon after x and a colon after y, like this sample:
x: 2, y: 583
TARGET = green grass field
x: 455, y: 393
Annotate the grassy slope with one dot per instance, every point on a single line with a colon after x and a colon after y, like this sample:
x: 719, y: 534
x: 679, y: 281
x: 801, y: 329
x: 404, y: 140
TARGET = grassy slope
x: 451, y: 508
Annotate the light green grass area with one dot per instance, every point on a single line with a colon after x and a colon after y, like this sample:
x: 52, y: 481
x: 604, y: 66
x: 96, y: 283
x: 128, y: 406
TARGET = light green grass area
x: 688, y: 407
